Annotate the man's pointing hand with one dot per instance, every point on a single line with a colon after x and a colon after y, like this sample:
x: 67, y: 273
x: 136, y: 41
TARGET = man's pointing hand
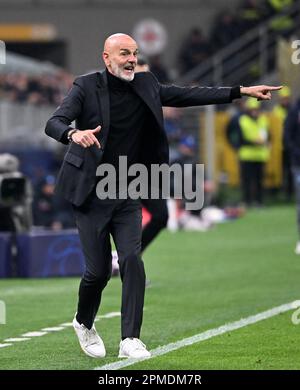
x: 261, y: 92
x: 87, y: 138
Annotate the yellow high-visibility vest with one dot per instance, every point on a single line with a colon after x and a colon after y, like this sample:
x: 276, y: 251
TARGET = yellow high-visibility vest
x: 254, y: 130
x: 280, y: 112
x: 281, y: 22
x: 250, y: 14
x: 278, y: 5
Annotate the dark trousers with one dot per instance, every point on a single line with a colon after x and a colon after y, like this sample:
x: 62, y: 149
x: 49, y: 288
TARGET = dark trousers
x: 96, y: 220
x: 159, y: 219
x: 252, y: 182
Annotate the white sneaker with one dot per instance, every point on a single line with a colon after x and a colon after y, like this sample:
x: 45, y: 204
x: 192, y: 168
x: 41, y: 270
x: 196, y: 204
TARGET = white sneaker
x: 89, y: 340
x: 297, y: 249
x: 133, y: 348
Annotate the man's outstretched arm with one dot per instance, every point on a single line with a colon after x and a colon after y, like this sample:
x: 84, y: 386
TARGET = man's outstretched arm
x: 175, y: 96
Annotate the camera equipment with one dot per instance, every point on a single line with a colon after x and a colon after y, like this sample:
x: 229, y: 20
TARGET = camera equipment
x: 15, y: 196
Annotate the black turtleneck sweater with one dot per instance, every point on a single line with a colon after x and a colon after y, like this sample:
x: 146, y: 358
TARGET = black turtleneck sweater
x: 128, y: 114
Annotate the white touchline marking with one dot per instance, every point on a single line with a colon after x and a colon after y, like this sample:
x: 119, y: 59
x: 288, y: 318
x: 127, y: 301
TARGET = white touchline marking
x: 4, y: 345
x: 204, y: 335
x: 110, y: 315
x: 34, y: 334
x: 17, y: 339
x: 44, y: 331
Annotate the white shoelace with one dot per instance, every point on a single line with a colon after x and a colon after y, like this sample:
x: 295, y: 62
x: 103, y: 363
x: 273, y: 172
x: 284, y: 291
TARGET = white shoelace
x: 90, y: 336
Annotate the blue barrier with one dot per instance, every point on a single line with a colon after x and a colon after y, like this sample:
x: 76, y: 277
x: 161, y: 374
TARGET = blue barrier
x: 47, y: 253
x: 5, y: 255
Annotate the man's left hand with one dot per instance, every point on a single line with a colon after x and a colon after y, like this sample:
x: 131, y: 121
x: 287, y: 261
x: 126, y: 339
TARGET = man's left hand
x: 261, y: 92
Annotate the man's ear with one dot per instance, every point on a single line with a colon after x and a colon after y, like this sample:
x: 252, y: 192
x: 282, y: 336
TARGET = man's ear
x: 105, y: 57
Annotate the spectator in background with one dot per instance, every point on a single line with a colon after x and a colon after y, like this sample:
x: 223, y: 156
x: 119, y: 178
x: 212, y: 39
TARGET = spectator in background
x: 254, y: 152
x: 250, y: 14
x: 187, y: 149
x: 225, y: 30
x: 282, y: 23
x: 49, y: 210
x: 46, y: 89
x: 194, y: 51
x: 21, y: 92
x: 292, y: 143
x: 233, y: 131
x: 173, y: 130
x: 192, y: 220
x: 159, y: 70
x: 142, y: 64
x: 282, y: 107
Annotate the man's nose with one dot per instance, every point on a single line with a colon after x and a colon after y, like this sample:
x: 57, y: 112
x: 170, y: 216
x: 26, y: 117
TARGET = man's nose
x: 132, y: 58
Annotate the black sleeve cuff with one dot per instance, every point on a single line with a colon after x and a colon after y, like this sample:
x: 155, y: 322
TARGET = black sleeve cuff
x: 235, y: 93
x: 64, y: 138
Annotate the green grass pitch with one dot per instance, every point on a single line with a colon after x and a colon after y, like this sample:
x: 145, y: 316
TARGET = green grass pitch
x: 199, y: 281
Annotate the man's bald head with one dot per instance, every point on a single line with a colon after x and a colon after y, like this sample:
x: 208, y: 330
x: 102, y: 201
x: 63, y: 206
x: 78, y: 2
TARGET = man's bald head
x: 116, y: 40
x: 120, y: 55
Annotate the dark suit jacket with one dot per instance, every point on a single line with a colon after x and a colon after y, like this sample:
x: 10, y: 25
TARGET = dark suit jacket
x: 88, y: 104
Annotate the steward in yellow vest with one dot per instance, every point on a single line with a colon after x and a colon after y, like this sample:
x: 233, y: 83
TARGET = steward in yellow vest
x: 281, y: 109
x: 254, y: 134
x: 278, y: 9
x: 254, y: 152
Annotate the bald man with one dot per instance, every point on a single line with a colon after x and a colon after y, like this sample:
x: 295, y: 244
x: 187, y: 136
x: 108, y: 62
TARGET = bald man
x: 117, y: 113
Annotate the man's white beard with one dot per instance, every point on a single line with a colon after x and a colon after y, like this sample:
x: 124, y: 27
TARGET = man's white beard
x: 118, y: 72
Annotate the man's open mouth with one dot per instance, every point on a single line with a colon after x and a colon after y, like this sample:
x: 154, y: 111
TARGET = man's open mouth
x: 129, y: 68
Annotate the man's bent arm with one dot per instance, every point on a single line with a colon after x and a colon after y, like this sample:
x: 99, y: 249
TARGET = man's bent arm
x: 58, y: 125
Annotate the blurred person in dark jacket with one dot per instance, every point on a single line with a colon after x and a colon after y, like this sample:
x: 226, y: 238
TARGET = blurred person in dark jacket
x: 280, y: 111
x: 292, y: 143
x: 49, y: 210
x: 194, y: 51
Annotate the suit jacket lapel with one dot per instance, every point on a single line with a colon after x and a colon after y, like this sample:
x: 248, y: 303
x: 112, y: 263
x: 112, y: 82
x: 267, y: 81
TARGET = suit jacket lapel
x: 103, y: 100
x: 139, y: 88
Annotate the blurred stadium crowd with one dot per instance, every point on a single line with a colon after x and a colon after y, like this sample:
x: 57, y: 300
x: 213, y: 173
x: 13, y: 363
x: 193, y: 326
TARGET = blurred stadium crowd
x: 46, y: 89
